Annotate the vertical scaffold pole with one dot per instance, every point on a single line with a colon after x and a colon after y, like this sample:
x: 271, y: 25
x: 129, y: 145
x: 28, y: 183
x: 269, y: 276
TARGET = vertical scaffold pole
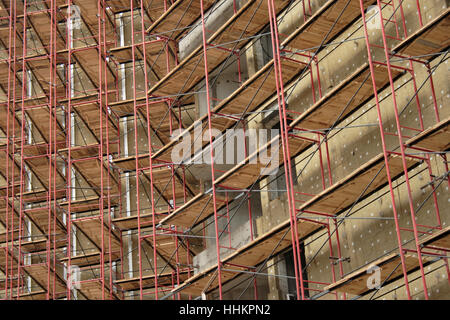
x: 208, y: 102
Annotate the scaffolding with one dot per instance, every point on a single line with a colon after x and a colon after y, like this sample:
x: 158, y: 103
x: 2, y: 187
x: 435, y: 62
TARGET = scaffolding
x: 97, y: 96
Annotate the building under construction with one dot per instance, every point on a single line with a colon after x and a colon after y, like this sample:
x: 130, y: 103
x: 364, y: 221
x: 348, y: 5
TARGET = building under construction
x: 347, y: 98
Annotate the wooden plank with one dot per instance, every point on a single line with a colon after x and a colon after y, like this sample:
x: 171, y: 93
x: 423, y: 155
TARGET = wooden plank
x: 88, y: 59
x: 88, y: 11
x: 252, y: 169
x: 118, y: 6
x: 430, y: 39
x: 92, y: 229
x: 38, y: 161
x: 41, y: 245
x: 12, y: 166
x: 4, y: 191
x: 192, y: 212
x: 246, y: 98
x: 148, y: 281
x: 37, y: 58
x: 153, y: 8
x: 247, y: 21
x: 7, y: 258
x: 125, y: 108
x: 240, y: 176
x: 88, y: 151
x: 40, y: 20
x: 181, y: 14
x: 90, y: 171
x: 13, y: 121
x: 39, y: 166
x: 90, y: 259
x: 333, y: 200
x: 3, y: 203
x: 131, y: 222
x: 167, y: 246
x: 164, y: 180
x: 39, y: 194
x: 345, y: 98
x: 6, y: 80
x: 87, y: 204
x: 87, y: 109
x: 160, y: 115
x: 37, y: 149
x: 345, y: 192
x: 40, y: 272
x: 435, y: 138
x: 163, y: 177
x: 89, y: 113
x: 312, y: 33
x: 39, y: 66
x: 3, y: 235
x: 439, y: 239
x: 12, y: 283
x: 39, y: 217
x: 159, y: 53
x: 250, y: 255
x: 92, y: 289
x: 33, y: 295
x: 128, y: 163
x: 5, y: 8
x: 39, y: 114
x: 390, y: 266
x: 258, y: 81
